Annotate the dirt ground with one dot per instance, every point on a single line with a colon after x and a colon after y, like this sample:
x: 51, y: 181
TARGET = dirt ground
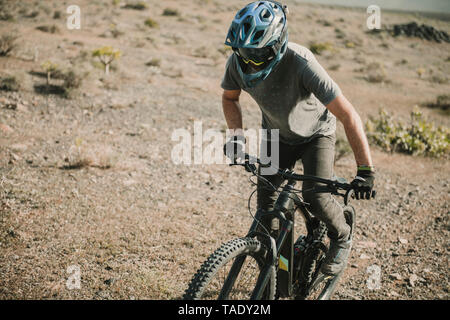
x: 88, y: 180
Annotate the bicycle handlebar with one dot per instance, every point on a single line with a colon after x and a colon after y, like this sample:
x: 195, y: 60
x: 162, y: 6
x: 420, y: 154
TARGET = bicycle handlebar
x: 331, y: 186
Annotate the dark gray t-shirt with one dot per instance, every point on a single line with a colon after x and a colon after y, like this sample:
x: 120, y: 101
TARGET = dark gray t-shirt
x: 293, y: 97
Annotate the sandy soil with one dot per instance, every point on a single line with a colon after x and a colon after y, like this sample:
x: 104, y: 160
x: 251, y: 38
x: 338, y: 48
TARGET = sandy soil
x: 89, y: 181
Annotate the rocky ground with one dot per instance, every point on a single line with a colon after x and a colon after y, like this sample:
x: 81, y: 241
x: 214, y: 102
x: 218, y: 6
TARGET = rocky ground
x: 88, y: 180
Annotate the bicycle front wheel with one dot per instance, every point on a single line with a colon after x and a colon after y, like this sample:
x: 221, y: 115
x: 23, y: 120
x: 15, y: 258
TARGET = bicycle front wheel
x: 231, y: 272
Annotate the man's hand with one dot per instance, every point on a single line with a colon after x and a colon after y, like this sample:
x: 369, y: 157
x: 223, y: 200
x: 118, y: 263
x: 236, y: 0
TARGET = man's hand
x: 363, y: 184
x: 235, y: 148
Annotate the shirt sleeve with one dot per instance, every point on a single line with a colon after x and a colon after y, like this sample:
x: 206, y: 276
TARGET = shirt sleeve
x: 317, y: 81
x: 229, y: 81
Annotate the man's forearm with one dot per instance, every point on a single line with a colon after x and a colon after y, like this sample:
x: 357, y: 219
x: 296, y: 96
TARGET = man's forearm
x: 233, y: 115
x: 358, y: 141
x: 346, y: 113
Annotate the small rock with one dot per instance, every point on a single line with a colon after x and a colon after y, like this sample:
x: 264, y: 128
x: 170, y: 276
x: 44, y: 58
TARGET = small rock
x: 402, y: 240
x: 21, y: 107
x: 364, y: 256
x: 393, y: 294
x: 5, y: 128
x: 15, y: 157
x: 19, y: 147
x: 413, y: 280
x: 4, y: 102
x: 395, y: 276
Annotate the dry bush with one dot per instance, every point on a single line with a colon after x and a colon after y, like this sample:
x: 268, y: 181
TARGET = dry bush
x: 7, y: 44
x: 442, y: 103
x: 418, y: 137
x: 82, y: 155
x: 9, y: 83
x: 149, y: 22
x: 49, y: 29
x: 106, y: 56
x: 169, y: 12
x: 136, y: 5
x: 154, y: 62
x: 319, y: 47
x: 375, y: 72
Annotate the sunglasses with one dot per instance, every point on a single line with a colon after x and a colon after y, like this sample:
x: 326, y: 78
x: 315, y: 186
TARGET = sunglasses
x: 255, y: 56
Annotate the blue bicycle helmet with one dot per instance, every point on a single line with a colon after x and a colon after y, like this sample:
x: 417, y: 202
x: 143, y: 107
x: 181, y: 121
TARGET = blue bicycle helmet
x: 259, y: 37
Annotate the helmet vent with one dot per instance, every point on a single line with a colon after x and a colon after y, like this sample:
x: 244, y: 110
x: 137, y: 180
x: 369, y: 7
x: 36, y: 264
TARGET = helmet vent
x: 241, y: 13
x: 246, y: 28
x: 265, y: 15
x: 258, y: 35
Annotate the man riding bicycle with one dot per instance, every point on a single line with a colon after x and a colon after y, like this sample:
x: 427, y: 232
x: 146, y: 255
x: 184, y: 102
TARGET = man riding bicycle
x: 297, y: 97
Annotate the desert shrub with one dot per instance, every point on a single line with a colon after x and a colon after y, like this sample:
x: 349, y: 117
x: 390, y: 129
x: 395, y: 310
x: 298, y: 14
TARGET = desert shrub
x: 63, y: 81
x: 7, y: 44
x: 6, y: 16
x: 48, y: 28
x: 350, y: 44
x: 57, y: 14
x: 106, y: 56
x: 170, y: 12
x: 29, y: 14
x: 439, y: 79
x: 319, y: 47
x: 136, y: 5
x: 335, y: 67
x: 154, y: 62
x: 82, y: 155
x: 442, y: 102
x: 149, y: 22
x: 72, y: 79
x: 225, y: 50
x: 418, y: 137
x: 420, y: 72
x: 9, y: 83
x: 50, y: 68
x: 375, y: 72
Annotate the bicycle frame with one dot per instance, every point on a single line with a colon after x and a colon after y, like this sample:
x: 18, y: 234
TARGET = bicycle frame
x: 282, y: 246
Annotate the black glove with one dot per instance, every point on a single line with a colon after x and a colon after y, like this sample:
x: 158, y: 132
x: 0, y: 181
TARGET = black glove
x: 363, y: 184
x: 235, y: 148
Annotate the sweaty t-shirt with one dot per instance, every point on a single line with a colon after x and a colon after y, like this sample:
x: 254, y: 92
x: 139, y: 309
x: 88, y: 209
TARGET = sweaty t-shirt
x: 293, y: 97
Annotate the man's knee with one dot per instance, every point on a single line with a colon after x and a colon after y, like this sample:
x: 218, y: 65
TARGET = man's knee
x: 318, y: 202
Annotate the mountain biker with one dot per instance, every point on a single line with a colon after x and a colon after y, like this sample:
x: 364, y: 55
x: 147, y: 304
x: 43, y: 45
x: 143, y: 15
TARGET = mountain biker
x: 297, y: 97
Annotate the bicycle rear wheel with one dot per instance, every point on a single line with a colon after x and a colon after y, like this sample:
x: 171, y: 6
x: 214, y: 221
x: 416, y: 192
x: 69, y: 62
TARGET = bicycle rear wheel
x: 231, y: 272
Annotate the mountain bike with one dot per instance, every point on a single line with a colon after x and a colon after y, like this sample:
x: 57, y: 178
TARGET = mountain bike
x: 267, y: 263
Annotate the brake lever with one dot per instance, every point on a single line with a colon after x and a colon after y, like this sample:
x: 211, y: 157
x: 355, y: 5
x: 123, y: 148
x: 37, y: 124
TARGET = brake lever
x: 349, y: 194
